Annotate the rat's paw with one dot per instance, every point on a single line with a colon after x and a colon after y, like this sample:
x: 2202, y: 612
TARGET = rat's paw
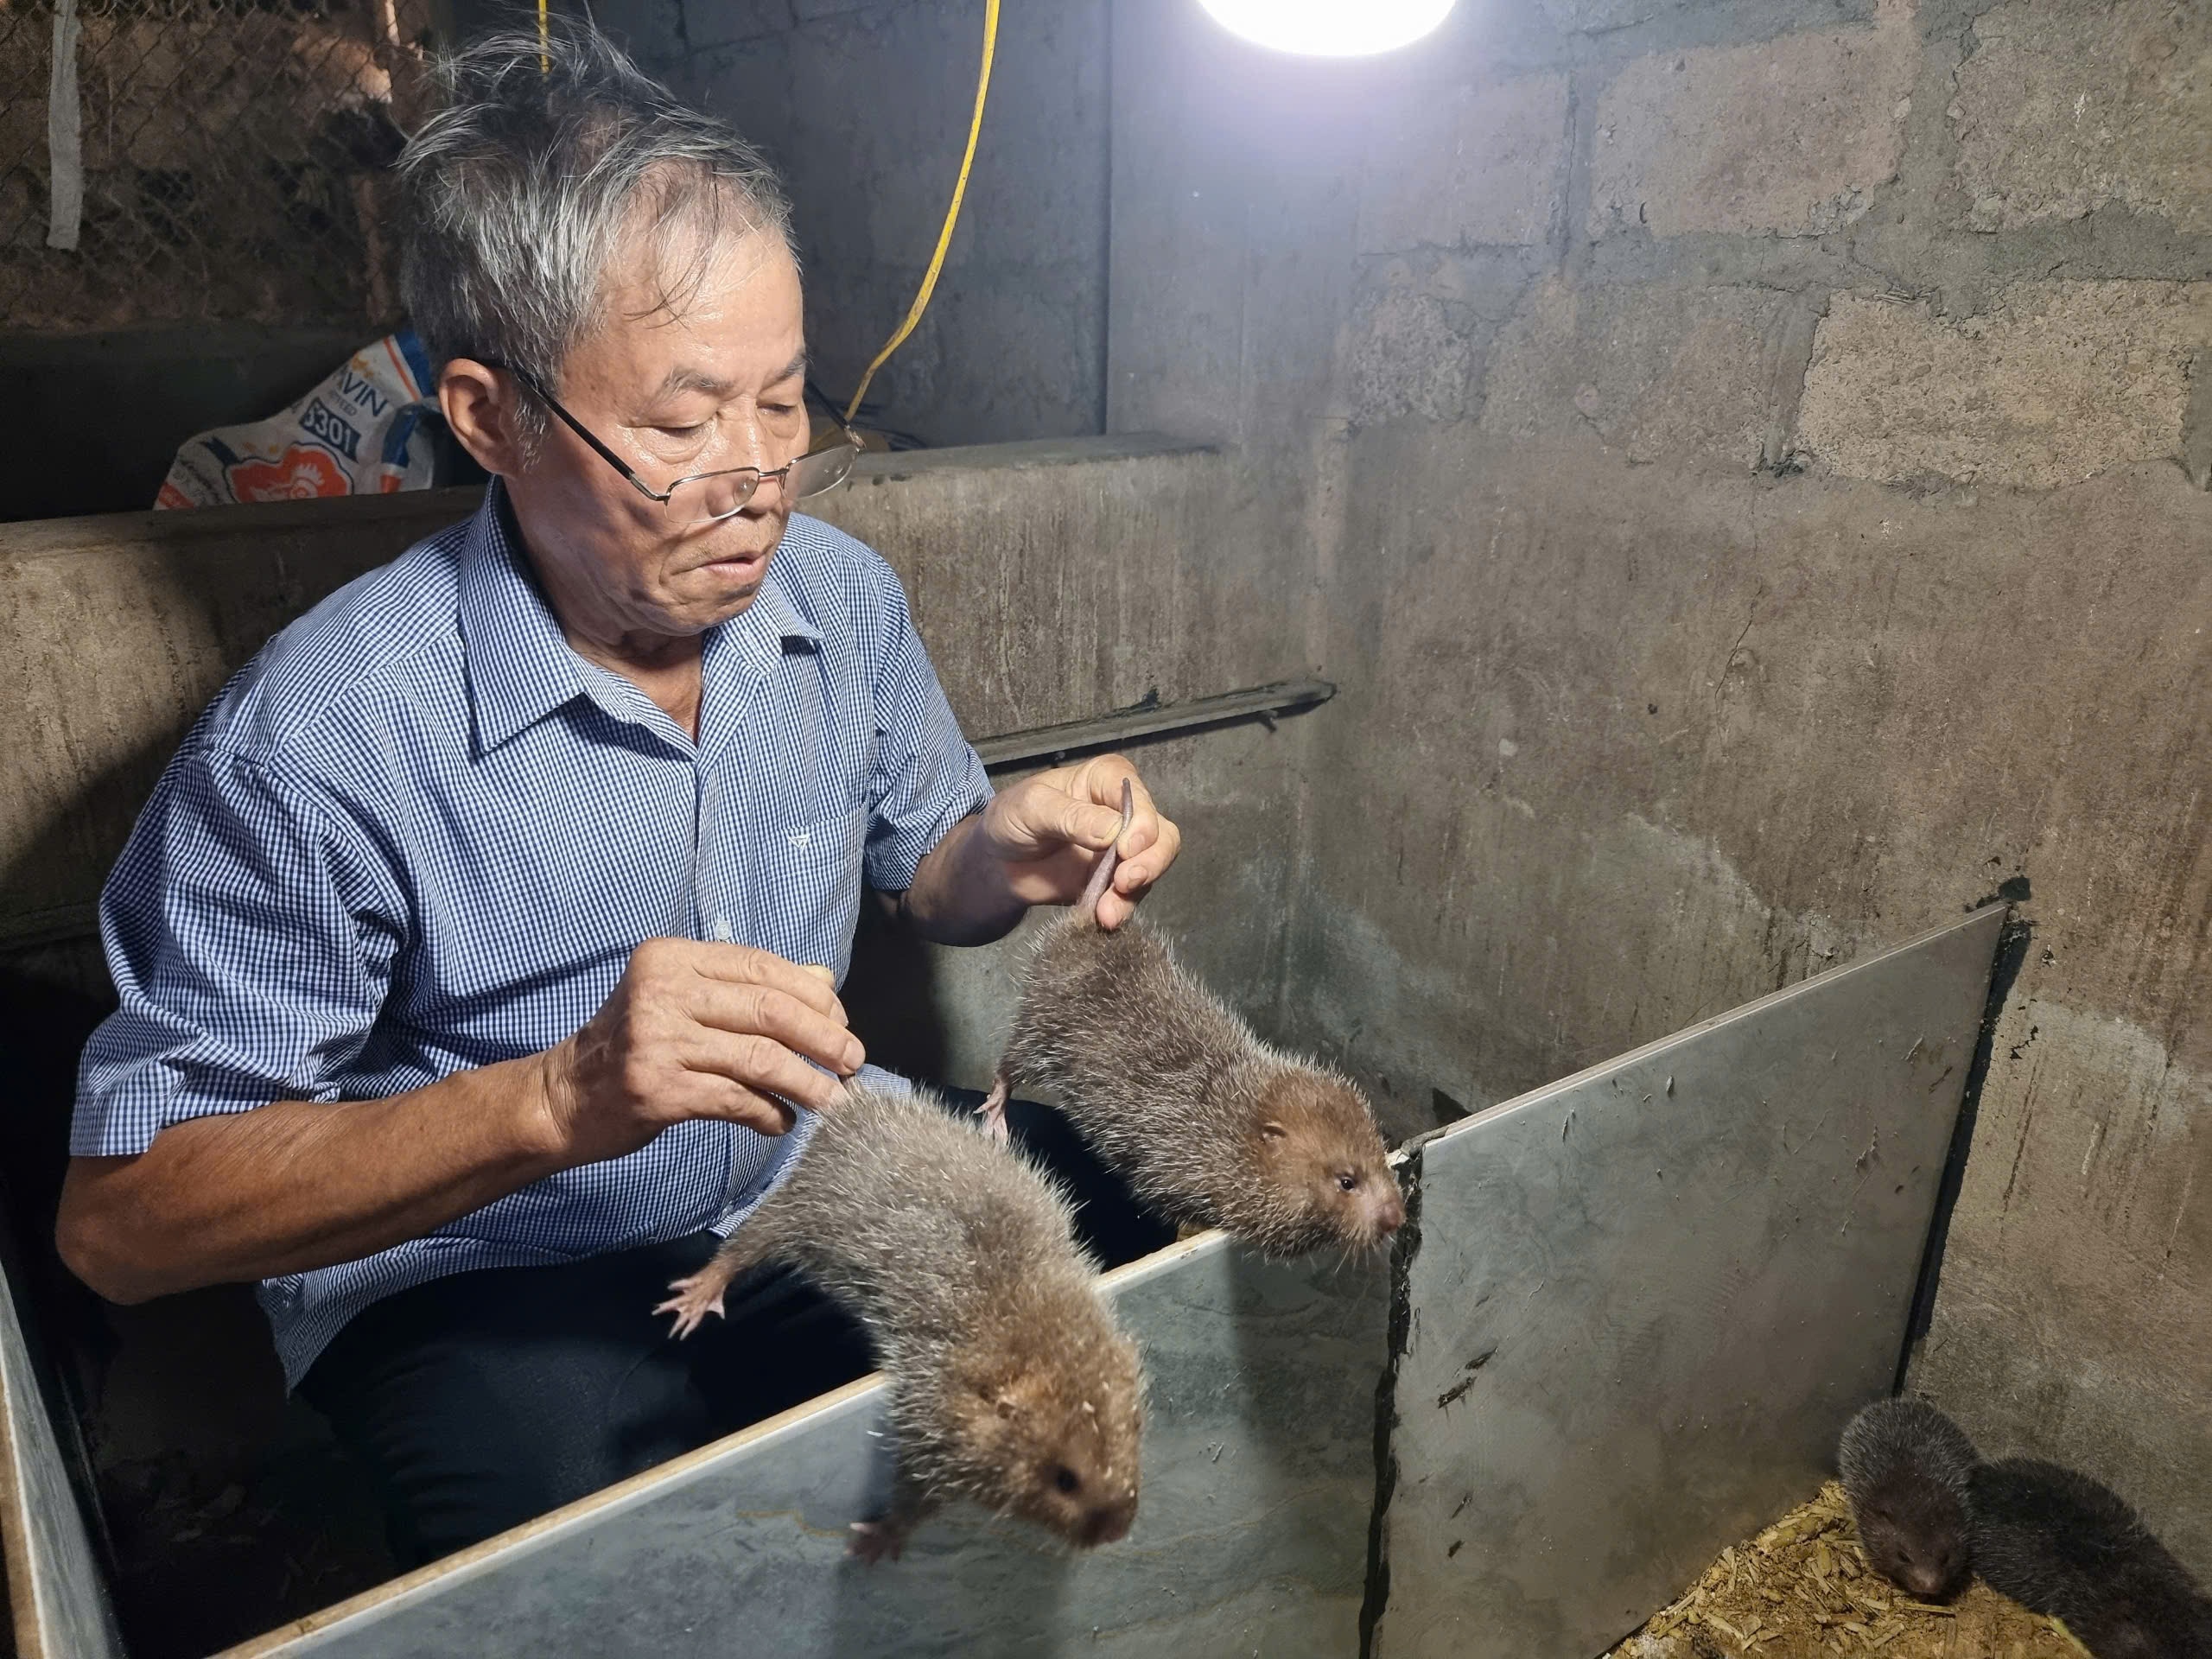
x: 695, y: 1297
x: 873, y: 1540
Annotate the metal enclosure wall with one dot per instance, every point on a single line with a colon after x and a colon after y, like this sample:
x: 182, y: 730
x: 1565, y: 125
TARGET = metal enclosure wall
x: 1251, y: 1535
x: 1646, y: 1300
x: 54, y: 1588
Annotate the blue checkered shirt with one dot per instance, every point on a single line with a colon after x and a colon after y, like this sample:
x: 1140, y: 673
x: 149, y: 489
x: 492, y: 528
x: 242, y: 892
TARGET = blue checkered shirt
x: 418, y: 833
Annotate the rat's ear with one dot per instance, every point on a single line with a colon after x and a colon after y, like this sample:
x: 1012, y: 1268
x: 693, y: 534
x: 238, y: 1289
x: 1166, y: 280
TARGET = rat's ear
x: 1005, y: 1404
x: 1273, y: 1130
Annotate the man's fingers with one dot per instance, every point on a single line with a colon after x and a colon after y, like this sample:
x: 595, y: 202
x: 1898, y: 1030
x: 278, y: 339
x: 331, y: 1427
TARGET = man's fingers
x: 1084, y: 824
x: 1133, y: 874
x: 763, y: 1011
x: 763, y: 1066
x: 741, y: 964
x: 1101, y: 781
x: 1144, y: 816
x: 1136, y: 873
x: 763, y: 1113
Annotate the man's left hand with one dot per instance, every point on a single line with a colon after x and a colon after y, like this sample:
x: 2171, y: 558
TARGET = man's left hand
x: 1047, y: 834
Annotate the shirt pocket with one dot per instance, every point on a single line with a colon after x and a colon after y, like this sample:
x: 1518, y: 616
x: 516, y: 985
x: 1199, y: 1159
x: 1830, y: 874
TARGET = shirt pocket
x: 804, y: 895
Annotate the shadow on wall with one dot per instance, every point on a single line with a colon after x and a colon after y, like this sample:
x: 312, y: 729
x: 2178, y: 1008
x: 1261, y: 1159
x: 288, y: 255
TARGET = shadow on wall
x: 90, y: 423
x: 891, y: 992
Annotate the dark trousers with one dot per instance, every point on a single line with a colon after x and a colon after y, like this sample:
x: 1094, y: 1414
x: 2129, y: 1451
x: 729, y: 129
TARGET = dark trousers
x: 482, y: 1399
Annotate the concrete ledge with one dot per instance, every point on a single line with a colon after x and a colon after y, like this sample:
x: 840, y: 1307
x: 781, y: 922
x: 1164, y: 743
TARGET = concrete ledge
x: 111, y: 532
x: 95, y: 532
x: 1035, y: 452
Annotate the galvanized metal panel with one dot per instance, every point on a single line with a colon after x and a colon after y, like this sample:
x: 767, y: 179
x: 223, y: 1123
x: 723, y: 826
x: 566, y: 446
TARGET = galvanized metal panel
x: 1251, y: 1536
x: 1644, y: 1301
x: 56, y: 1589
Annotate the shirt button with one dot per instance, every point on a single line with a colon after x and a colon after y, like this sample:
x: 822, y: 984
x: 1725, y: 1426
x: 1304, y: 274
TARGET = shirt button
x: 722, y: 932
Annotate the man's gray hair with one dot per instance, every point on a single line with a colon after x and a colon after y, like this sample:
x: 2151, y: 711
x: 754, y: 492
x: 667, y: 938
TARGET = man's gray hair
x: 522, y: 188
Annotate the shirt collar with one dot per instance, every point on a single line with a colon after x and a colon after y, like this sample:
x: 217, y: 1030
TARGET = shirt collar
x: 520, y: 666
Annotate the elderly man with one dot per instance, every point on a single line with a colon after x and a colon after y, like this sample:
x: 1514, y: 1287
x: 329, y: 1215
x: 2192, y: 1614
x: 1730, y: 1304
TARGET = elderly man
x: 477, y: 951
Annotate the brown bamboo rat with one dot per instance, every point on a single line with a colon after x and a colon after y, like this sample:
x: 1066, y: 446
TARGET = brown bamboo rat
x: 1905, y: 1465
x: 1209, y: 1126
x: 2059, y: 1543
x: 1011, y: 1385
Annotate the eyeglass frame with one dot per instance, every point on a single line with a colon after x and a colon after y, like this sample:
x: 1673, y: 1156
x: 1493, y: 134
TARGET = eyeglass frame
x: 529, y: 383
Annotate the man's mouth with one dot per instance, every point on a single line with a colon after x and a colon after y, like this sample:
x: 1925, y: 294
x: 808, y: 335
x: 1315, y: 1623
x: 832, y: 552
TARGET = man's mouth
x: 742, y: 567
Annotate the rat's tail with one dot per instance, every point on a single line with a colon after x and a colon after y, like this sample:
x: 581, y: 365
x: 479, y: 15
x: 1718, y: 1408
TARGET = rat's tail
x: 1087, y: 906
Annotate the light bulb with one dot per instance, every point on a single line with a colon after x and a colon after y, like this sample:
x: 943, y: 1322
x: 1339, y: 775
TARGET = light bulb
x: 1330, y: 28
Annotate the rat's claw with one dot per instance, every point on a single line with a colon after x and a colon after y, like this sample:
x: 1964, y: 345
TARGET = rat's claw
x: 691, y: 1304
x: 993, y: 1110
x: 874, y: 1539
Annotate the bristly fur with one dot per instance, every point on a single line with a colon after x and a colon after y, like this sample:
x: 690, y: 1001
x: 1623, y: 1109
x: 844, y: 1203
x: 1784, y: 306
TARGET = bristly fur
x: 2059, y: 1543
x: 1905, y: 1466
x: 1905, y: 1432
x: 1007, y: 1369
x: 1174, y: 1090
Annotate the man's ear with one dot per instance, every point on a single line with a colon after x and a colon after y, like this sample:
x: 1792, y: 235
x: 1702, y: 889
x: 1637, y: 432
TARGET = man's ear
x: 479, y: 407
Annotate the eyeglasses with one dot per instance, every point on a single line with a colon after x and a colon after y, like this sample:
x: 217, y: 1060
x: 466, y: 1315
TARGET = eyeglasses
x: 706, y: 497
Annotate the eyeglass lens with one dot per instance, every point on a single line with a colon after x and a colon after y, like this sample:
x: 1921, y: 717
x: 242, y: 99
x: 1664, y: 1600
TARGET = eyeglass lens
x: 718, y: 495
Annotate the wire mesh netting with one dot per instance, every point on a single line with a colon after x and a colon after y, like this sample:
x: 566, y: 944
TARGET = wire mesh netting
x: 235, y: 161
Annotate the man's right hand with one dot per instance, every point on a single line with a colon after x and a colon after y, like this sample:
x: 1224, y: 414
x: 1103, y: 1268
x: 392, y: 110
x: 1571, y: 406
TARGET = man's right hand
x: 697, y: 1030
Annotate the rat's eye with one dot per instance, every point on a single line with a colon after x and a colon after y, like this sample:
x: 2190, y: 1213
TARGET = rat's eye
x: 1348, y: 1180
x: 1066, y: 1479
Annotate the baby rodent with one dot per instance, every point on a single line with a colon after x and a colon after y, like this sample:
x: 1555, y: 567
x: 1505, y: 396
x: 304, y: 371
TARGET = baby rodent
x: 2059, y: 1543
x: 1011, y: 1385
x: 1905, y: 1466
x: 1209, y: 1126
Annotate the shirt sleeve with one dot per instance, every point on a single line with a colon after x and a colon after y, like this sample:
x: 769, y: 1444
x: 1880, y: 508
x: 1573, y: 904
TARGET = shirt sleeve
x: 927, y: 777
x: 250, y: 931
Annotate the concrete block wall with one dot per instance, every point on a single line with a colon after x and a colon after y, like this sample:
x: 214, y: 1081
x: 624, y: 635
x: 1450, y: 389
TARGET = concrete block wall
x: 1748, y: 461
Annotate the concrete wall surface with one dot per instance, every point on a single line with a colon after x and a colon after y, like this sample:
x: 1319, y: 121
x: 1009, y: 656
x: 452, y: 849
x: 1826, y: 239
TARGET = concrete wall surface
x: 864, y: 109
x: 1751, y: 458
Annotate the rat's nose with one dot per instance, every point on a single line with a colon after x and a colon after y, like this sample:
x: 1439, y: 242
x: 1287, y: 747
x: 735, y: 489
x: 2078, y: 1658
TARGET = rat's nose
x: 1390, y: 1214
x: 1110, y: 1523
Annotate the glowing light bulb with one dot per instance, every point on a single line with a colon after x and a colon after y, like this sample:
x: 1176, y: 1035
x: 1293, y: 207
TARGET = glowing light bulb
x: 1330, y: 28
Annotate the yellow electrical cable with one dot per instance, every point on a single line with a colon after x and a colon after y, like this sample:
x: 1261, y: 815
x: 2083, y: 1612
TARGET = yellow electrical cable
x: 952, y: 217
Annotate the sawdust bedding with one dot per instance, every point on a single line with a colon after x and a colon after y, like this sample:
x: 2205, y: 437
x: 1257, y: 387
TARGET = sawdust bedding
x: 1802, y: 1588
